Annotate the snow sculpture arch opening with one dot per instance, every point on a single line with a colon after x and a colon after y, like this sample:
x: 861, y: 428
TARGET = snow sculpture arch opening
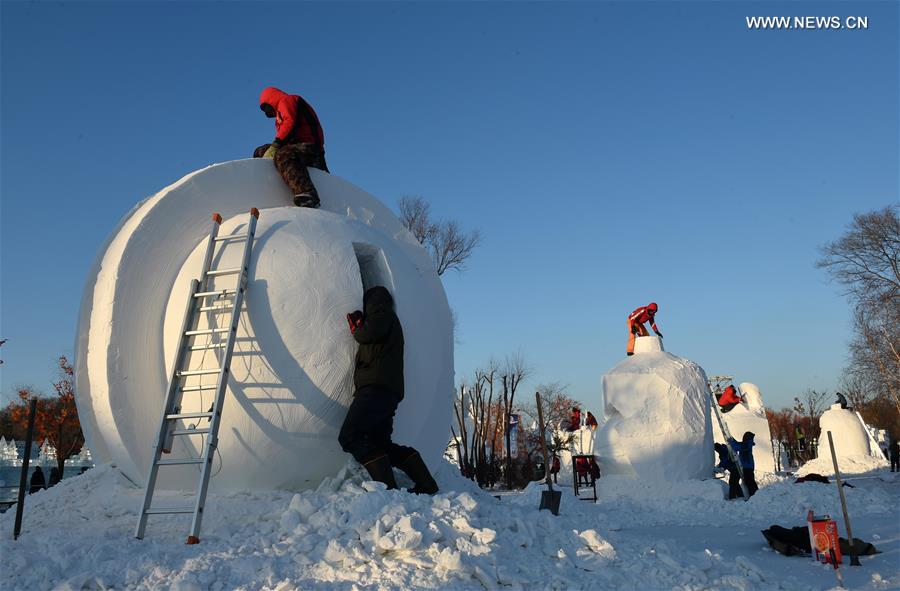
x: 293, y: 362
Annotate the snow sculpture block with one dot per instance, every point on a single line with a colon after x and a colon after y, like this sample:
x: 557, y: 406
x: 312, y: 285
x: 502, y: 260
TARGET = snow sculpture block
x: 849, y: 435
x: 651, y: 344
x: 749, y: 416
x: 292, y: 367
x: 657, y: 418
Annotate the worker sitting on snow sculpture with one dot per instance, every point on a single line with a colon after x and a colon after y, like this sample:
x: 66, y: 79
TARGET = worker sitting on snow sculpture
x: 299, y: 142
x: 378, y: 382
x: 636, y: 322
x: 842, y: 400
x: 729, y: 398
x: 744, y: 449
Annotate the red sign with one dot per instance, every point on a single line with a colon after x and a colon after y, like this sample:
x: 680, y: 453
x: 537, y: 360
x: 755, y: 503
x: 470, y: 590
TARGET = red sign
x: 823, y: 537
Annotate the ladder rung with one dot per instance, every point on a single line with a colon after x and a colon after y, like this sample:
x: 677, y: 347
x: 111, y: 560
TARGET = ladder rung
x: 198, y: 388
x: 221, y: 292
x: 231, y: 237
x: 188, y: 415
x: 180, y: 461
x: 224, y: 272
x: 166, y: 510
x: 216, y: 308
x: 204, y: 347
x: 198, y: 372
x: 189, y: 432
x: 192, y: 333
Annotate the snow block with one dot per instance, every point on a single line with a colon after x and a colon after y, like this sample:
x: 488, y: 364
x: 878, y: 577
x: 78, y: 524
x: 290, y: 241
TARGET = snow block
x: 749, y: 416
x: 848, y: 432
x: 657, y: 423
x: 292, y: 368
x: 650, y: 344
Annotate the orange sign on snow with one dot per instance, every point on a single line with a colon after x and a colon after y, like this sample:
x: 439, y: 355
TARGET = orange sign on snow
x: 823, y: 537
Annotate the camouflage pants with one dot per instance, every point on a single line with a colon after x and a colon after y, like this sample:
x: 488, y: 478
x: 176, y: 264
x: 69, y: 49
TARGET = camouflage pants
x: 291, y: 161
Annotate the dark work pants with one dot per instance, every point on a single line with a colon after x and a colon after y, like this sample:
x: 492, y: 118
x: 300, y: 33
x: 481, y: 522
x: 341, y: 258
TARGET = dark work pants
x: 291, y: 161
x: 734, y: 484
x: 366, y: 432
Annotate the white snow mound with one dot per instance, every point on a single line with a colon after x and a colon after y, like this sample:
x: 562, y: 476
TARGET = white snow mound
x: 855, y: 449
x: 657, y: 419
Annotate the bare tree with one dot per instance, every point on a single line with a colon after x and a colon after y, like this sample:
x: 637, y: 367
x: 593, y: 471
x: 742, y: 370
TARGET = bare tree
x: 515, y: 370
x: 449, y: 246
x: 866, y: 261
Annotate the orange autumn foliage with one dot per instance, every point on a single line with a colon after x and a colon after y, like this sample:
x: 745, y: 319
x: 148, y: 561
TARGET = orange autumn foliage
x: 56, y: 417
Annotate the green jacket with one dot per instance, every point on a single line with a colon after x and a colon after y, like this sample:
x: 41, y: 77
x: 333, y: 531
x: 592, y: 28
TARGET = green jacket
x: 379, y: 360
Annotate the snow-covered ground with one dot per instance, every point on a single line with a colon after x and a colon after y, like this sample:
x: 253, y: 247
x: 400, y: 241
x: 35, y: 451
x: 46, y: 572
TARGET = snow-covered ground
x: 351, y: 535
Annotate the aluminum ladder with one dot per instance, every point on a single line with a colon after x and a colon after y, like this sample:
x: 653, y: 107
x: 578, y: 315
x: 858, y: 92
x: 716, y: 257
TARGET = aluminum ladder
x: 204, y: 297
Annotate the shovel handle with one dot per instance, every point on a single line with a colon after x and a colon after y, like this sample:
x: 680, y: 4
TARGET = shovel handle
x: 537, y: 398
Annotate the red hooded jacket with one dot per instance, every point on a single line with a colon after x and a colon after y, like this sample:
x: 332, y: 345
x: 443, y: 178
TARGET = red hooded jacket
x: 295, y: 120
x: 642, y: 315
x: 729, y: 396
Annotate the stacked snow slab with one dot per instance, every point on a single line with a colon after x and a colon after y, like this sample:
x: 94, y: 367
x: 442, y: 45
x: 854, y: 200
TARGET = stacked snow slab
x: 856, y: 450
x: 291, y: 378
x: 657, y: 423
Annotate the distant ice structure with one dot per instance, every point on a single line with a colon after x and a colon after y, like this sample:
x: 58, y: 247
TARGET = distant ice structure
x: 657, y: 423
x: 750, y: 416
x: 292, y: 369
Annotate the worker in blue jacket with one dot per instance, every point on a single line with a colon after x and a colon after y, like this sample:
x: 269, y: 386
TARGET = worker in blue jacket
x: 744, y: 449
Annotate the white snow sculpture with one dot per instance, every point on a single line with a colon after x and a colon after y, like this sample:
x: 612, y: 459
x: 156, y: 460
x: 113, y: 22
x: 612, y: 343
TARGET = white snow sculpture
x: 851, y: 438
x: 292, y: 368
x: 657, y: 425
x: 750, y: 415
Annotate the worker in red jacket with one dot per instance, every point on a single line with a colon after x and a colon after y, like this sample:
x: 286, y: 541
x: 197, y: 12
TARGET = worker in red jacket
x: 636, y: 322
x: 729, y: 398
x: 299, y: 142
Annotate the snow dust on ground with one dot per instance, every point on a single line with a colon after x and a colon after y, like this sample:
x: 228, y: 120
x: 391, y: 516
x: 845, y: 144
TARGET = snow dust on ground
x: 350, y: 534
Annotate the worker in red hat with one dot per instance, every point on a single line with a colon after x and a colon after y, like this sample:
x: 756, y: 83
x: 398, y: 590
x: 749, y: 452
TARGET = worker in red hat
x: 636, y: 322
x: 299, y: 142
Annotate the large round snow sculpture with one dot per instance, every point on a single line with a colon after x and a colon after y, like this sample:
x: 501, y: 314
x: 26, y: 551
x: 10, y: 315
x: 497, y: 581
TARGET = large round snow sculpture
x: 657, y: 423
x: 750, y: 415
x: 292, y: 369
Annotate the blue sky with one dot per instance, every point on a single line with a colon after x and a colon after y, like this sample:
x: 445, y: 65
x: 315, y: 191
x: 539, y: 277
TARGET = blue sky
x: 610, y: 153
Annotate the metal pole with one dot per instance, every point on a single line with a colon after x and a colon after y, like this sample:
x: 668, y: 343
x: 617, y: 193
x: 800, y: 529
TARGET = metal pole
x: 854, y: 558
x: 23, y: 481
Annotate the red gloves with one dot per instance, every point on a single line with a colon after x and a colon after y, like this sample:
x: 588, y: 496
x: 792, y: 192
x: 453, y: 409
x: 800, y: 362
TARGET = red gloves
x: 355, y: 320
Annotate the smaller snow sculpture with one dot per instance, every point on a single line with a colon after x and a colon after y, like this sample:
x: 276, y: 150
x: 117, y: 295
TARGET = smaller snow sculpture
x: 750, y: 415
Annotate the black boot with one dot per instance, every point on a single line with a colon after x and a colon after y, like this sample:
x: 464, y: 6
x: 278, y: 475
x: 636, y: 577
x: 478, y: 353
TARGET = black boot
x: 380, y: 470
x: 416, y: 469
x: 306, y: 200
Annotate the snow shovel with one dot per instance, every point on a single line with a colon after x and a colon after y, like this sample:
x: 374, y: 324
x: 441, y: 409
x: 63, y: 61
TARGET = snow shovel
x: 549, y: 498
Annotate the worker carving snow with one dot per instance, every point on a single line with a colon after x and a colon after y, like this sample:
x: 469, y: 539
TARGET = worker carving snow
x: 729, y: 398
x: 636, y: 322
x: 378, y: 380
x: 299, y: 142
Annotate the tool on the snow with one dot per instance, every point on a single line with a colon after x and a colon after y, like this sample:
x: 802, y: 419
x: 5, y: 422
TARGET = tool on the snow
x: 735, y: 461
x: 204, y: 296
x: 549, y: 498
x: 854, y: 556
